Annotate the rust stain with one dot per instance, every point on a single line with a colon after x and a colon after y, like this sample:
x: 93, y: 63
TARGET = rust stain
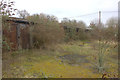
x: 17, y: 33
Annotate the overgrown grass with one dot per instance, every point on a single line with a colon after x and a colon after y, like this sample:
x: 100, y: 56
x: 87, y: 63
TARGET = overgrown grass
x: 47, y: 63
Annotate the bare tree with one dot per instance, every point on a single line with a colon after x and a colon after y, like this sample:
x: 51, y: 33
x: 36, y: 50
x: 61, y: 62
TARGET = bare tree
x: 23, y: 13
x: 6, y: 8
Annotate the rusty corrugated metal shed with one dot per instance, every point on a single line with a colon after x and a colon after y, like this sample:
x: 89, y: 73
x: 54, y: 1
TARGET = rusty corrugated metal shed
x: 18, y: 33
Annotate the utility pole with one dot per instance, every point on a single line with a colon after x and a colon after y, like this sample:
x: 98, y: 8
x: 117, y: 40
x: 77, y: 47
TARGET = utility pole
x: 99, y: 17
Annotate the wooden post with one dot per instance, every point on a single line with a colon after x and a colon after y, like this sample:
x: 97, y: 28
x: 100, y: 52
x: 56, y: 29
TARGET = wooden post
x: 118, y: 37
x: 0, y: 46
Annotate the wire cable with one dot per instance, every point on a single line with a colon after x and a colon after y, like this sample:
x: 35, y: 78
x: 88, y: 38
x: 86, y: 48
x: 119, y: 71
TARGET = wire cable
x: 90, y: 14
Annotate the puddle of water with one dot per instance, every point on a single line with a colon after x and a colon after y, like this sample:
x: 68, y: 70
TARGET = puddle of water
x: 74, y: 59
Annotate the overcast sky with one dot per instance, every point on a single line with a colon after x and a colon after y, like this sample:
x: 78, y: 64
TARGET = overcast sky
x: 70, y: 8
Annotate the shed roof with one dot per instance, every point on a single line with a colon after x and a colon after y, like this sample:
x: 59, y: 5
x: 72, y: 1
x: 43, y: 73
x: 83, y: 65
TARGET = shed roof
x: 19, y: 20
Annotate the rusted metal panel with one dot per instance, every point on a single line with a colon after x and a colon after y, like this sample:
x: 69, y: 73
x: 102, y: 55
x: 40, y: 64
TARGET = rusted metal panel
x: 12, y: 37
x: 25, y: 38
x: 10, y: 34
x: 17, y: 34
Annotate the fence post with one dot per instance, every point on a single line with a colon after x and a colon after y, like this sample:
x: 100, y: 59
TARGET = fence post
x: 118, y: 38
x: 0, y: 46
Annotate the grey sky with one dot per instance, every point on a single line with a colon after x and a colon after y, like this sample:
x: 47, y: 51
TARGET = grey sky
x: 70, y: 8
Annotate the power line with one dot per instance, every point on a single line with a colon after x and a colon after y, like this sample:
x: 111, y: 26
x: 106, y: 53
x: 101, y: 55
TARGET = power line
x: 80, y: 15
x: 90, y: 14
x: 109, y: 11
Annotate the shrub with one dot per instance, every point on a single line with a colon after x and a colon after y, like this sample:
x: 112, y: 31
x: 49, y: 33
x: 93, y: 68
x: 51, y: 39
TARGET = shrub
x: 47, y: 31
x: 74, y: 30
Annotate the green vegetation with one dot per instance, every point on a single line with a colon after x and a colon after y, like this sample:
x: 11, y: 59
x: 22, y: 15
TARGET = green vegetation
x: 72, y: 59
x: 46, y: 32
x: 61, y: 50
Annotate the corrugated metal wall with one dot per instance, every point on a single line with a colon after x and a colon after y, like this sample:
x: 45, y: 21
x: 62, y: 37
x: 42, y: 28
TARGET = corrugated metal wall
x: 17, y: 35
